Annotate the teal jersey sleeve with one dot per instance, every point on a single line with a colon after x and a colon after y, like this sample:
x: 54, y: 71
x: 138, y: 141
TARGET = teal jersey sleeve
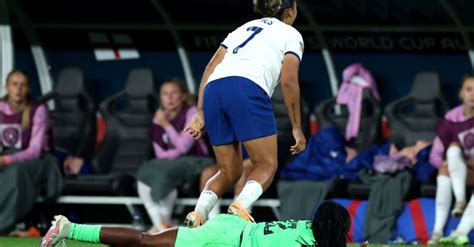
x: 279, y: 233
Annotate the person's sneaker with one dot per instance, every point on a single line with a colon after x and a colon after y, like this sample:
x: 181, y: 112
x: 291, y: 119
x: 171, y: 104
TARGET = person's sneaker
x: 461, y: 240
x: 57, y: 233
x: 435, y: 238
x: 454, y: 240
x: 238, y: 210
x: 193, y: 220
x: 458, y: 209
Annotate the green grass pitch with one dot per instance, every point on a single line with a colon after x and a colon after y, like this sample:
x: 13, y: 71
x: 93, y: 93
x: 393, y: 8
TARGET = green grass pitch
x: 27, y: 242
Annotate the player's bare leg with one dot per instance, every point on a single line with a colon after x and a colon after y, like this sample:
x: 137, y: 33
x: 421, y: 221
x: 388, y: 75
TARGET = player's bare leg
x: 229, y: 162
x: 263, y: 155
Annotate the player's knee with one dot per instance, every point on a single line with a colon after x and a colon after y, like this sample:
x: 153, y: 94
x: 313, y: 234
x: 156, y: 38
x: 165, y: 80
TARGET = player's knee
x: 443, y: 171
x: 235, y: 175
x: 454, y: 152
x: 232, y: 175
x: 271, y: 165
x: 234, y: 180
x: 208, y: 172
x: 273, y: 168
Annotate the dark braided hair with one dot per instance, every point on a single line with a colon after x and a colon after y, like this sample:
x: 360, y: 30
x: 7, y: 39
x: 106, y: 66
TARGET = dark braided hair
x: 331, y: 223
x: 272, y: 8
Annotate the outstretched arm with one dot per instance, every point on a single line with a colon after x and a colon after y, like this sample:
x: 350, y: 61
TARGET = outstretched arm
x: 196, y: 126
x: 122, y: 236
x: 291, y: 96
x: 112, y: 236
x: 437, y: 153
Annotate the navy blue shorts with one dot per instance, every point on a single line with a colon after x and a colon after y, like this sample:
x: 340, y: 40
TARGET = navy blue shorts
x: 237, y: 109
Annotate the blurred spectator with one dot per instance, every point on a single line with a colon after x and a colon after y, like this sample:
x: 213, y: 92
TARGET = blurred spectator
x: 26, y: 165
x: 179, y: 158
x: 453, y: 154
x: 72, y: 165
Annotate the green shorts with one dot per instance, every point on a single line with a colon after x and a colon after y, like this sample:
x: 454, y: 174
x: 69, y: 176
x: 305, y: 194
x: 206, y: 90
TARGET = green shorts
x: 223, y: 230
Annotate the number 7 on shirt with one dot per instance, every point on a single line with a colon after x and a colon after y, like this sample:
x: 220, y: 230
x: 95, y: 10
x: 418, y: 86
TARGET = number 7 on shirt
x: 255, y: 30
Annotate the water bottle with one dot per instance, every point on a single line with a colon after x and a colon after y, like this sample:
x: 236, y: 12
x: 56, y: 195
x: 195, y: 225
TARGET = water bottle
x: 313, y: 124
x: 137, y: 221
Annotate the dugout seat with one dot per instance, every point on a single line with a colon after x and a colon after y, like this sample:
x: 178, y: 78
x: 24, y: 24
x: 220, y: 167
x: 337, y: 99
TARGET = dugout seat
x: 412, y: 118
x: 73, y: 117
x: 128, y: 115
x: 371, y: 115
x: 369, y: 131
x: 415, y: 116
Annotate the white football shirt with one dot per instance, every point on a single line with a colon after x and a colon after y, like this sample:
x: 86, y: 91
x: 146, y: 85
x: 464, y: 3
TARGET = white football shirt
x: 256, y: 50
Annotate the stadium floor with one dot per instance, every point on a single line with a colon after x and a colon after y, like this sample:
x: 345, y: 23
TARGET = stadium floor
x: 27, y: 242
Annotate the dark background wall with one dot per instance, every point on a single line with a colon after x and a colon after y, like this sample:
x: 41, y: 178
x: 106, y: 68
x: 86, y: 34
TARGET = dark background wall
x: 394, y: 69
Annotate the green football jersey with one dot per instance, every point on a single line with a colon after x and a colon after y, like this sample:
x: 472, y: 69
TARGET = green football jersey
x: 279, y: 233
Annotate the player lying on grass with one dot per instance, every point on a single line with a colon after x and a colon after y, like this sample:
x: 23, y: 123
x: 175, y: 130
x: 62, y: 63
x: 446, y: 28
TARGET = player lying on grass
x: 328, y: 228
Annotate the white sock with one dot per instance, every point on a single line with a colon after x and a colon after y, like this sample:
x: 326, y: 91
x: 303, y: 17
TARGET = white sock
x: 250, y: 193
x: 205, y: 203
x: 457, y: 172
x: 467, y: 220
x: 152, y: 208
x: 216, y: 210
x: 443, y: 200
x: 167, y: 205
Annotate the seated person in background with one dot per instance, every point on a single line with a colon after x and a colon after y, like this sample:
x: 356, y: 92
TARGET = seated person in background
x: 409, y: 152
x: 76, y: 165
x: 25, y: 162
x: 179, y: 158
x: 328, y: 228
x: 453, y: 154
x: 72, y: 165
x: 399, y: 160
